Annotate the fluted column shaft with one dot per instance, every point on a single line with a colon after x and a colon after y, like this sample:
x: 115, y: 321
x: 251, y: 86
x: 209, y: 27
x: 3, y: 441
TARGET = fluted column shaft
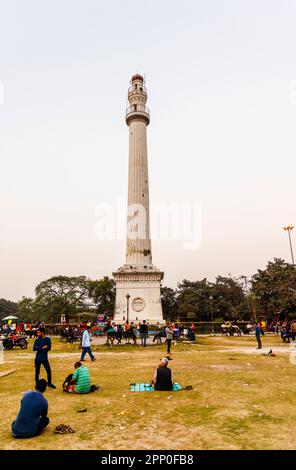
x: 138, y: 248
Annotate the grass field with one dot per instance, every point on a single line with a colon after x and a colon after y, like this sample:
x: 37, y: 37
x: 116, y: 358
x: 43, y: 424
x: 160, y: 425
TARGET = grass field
x: 241, y: 399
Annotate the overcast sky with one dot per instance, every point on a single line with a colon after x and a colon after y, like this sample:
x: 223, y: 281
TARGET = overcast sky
x: 221, y: 78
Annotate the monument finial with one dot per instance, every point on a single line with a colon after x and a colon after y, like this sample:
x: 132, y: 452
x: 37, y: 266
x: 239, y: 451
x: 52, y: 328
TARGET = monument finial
x: 137, y: 76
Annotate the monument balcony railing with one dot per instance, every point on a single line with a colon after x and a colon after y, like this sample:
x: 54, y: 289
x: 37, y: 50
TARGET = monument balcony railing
x: 137, y: 108
x: 142, y: 88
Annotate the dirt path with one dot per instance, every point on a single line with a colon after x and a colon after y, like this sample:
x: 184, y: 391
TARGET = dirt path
x: 254, y: 351
x: 238, y: 350
x: 65, y: 355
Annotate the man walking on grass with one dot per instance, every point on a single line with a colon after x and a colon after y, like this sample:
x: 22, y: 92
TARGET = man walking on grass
x: 86, y: 345
x: 42, y: 345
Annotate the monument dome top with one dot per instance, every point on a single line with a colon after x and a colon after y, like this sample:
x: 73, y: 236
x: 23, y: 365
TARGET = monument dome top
x: 137, y: 76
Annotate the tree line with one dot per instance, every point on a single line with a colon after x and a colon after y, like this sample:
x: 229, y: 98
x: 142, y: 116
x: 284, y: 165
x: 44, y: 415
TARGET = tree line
x: 269, y: 292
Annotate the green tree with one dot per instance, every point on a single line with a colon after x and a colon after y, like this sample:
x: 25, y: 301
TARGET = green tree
x: 60, y: 295
x: 26, y: 309
x: 229, y: 300
x: 102, y: 292
x: 274, y: 288
x: 7, y: 308
x: 224, y: 298
x: 194, y: 297
x: 169, y: 303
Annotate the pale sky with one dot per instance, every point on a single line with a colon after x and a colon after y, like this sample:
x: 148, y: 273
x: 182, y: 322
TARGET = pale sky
x: 221, y: 79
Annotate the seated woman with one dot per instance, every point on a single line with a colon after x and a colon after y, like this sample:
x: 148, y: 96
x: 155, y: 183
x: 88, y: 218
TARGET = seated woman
x: 163, y: 378
x: 80, y: 381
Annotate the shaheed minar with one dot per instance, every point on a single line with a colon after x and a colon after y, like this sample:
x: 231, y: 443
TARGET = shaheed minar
x: 138, y: 281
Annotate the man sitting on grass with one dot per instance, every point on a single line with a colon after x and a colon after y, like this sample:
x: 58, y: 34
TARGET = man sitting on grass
x: 80, y: 382
x: 162, y: 379
x: 32, y: 417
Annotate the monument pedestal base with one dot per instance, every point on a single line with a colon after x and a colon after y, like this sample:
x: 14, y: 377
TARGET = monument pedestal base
x: 143, y: 285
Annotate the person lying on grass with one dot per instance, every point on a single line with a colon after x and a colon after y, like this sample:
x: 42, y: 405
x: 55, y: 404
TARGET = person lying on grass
x: 163, y: 378
x: 32, y: 417
x: 80, y: 381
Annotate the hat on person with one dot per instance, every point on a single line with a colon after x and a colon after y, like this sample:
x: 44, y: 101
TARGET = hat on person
x: 164, y: 360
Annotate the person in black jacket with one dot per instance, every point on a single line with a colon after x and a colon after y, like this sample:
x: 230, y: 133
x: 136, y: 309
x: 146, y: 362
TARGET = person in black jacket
x: 258, y: 332
x: 143, y: 333
x: 163, y: 377
x: 42, y: 345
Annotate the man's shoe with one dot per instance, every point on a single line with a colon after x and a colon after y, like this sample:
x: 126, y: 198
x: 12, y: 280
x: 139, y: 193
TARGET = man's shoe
x: 93, y: 359
x: 51, y: 386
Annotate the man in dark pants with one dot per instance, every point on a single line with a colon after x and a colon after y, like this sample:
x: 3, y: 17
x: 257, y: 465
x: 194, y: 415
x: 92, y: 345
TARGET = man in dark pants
x: 258, y: 333
x: 143, y: 333
x: 169, y: 337
x: 32, y: 417
x: 42, y: 345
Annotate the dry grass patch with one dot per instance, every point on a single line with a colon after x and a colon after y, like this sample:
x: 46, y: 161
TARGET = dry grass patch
x: 239, y: 401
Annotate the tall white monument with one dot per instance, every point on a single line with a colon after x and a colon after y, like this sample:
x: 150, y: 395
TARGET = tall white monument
x: 138, y: 281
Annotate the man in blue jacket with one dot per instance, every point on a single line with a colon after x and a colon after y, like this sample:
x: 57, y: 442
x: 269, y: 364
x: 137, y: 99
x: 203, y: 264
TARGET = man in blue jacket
x: 32, y: 417
x: 42, y: 345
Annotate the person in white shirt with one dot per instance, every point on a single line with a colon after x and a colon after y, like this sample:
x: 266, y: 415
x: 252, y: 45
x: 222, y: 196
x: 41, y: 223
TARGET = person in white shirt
x: 169, y: 336
x: 86, y: 345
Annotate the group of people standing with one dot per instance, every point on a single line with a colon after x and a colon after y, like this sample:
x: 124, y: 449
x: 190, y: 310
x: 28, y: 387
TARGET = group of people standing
x: 21, y: 328
x: 129, y: 331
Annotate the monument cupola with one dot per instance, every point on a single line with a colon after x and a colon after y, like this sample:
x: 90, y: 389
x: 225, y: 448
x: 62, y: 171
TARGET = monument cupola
x: 137, y: 97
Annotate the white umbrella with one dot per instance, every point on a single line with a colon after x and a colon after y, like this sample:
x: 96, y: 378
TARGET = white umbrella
x: 10, y: 317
